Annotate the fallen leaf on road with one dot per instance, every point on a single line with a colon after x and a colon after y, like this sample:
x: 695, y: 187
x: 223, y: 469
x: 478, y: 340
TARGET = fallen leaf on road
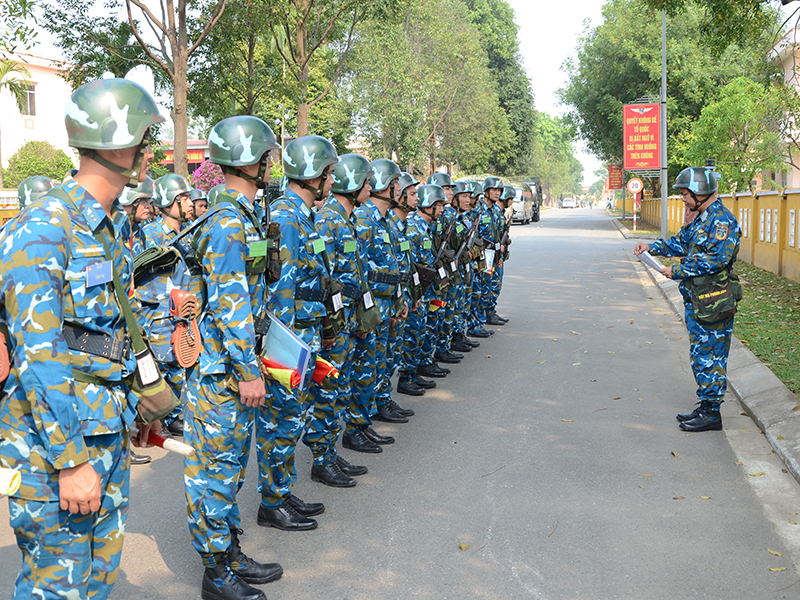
x: 610, y: 352
x: 555, y: 339
x: 568, y: 420
x: 641, y: 399
x: 649, y: 297
x: 599, y: 409
x: 539, y: 350
x: 678, y: 497
x: 675, y: 454
x: 646, y: 342
x: 792, y: 522
x: 796, y: 408
x: 744, y: 414
x: 646, y: 475
x: 576, y: 333
x: 706, y: 497
x: 575, y: 364
x: 780, y: 437
x: 488, y: 356
x: 759, y: 474
x: 631, y: 321
x: 771, y: 551
x: 541, y: 362
x: 740, y: 463
x: 777, y: 569
x: 641, y: 486
x: 745, y: 430
x: 593, y: 380
x: 618, y: 398
x: 464, y: 547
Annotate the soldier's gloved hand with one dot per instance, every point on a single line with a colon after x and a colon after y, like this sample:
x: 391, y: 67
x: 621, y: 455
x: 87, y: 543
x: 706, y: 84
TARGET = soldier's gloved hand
x: 79, y: 489
x: 252, y: 393
x: 641, y: 247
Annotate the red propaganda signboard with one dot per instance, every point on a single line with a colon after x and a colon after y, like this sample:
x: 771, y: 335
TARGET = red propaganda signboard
x: 641, y: 130
x: 615, y: 177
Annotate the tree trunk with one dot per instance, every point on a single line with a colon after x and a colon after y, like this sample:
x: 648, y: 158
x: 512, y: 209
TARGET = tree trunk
x: 302, y: 61
x: 180, y: 117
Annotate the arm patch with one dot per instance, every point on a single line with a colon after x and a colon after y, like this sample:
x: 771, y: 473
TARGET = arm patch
x: 721, y: 232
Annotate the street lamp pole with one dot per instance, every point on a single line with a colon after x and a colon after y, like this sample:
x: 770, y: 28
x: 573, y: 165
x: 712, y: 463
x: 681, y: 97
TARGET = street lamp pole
x: 664, y: 183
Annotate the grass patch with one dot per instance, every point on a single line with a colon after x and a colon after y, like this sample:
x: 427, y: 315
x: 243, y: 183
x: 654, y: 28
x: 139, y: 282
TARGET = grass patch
x: 768, y: 321
x: 641, y: 227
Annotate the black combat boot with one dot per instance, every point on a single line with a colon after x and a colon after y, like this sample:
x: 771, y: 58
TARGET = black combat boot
x: 709, y: 419
x: 406, y: 412
x: 221, y: 583
x: 376, y: 438
x: 246, y: 568
x: 348, y: 469
x: 690, y: 415
x: 406, y: 386
x: 425, y: 384
x: 331, y: 475
x: 387, y: 415
x: 359, y: 442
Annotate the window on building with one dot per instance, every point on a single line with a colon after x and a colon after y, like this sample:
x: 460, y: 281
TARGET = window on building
x: 30, y: 100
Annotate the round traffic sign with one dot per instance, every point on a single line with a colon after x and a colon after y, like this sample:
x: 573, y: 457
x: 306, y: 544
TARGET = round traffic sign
x: 635, y: 185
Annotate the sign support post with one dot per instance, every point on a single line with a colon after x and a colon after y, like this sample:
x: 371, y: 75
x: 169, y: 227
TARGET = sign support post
x: 664, y: 182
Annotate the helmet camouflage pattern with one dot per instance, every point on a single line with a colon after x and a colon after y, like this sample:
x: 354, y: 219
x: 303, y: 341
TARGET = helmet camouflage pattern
x: 441, y: 179
x: 109, y: 114
x: 461, y: 187
x: 508, y: 193
x: 240, y: 141
x: 700, y: 180
x: 429, y: 194
x: 170, y: 187
x: 214, y: 192
x: 32, y: 188
x: 145, y: 189
x: 475, y: 188
x: 492, y: 183
x: 405, y: 181
x: 197, y: 194
x: 384, y: 171
x: 350, y: 174
x: 307, y: 157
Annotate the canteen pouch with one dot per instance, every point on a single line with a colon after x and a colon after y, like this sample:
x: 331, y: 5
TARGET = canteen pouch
x: 335, y: 321
x: 274, y: 253
x: 426, y: 276
x: 186, y: 342
x: 715, y: 297
x: 368, y: 316
x: 442, y: 282
x: 156, y: 399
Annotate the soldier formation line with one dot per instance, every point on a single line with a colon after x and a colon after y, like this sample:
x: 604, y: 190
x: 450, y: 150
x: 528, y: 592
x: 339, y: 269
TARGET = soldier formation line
x: 240, y: 316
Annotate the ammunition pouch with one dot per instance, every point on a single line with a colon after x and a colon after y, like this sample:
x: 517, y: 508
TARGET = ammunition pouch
x: 714, y: 297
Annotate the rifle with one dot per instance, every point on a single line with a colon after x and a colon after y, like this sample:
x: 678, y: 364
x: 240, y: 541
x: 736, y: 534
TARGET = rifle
x: 469, y: 240
x: 445, y: 239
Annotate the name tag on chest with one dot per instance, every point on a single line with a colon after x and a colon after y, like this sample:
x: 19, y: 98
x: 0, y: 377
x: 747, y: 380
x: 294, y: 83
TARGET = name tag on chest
x: 404, y: 246
x: 258, y: 248
x: 99, y: 274
x: 350, y: 246
x: 318, y: 245
x: 385, y: 237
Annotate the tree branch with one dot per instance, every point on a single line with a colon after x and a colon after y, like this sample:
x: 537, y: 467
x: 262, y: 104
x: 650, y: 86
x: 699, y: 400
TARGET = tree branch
x: 211, y: 22
x: 142, y: 43
x: 341, y: 62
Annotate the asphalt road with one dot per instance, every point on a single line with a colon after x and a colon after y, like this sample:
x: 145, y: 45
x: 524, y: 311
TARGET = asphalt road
x: 552, y: 451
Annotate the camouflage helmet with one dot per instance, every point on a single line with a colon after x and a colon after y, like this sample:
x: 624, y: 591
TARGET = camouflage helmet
x: 475, y: 188
x: 144, y: 190
x: 109, y: 114
x: 350, y: 174
x: 429, y: 194
x: 384, y: 172
x: 307, y: 157
x: 214, y: 192
x: 492, y: 183
x: 461, y: 187
x: 698, y: 180
x: 240, y: 141
x: 33, y: 188
x: 441, y: 179
x: 170, y: 187
x: 508, y: 193
x: 197, y: 194
x: 405, y: 181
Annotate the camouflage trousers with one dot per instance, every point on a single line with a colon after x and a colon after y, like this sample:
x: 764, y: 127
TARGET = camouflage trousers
x: 484, y: 301
x: 75, y: 556
x: 490, y: 290
x: 175, y: 376
x: 474, y: 321
x: 220, y: 429
x: 463, y: 298
x: 444, y: 332
x: 396, y: 355
x: 429, y: 338
x: 413, y: 332
x: 709, y: 346
x: 360, y: 405
x: 331, y: 400
x: 383, y: 368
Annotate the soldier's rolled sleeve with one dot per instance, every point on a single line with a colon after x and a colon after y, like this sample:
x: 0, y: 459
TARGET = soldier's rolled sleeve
x: 227, y: 288
x: 34, y: 292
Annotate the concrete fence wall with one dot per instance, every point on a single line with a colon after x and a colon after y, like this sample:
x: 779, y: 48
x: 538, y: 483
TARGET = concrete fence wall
x: 770, y: 223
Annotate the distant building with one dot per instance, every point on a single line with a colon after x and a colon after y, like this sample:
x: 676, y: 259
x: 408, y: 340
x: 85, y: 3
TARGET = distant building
x: 42, y: 119
x: 786, y: 54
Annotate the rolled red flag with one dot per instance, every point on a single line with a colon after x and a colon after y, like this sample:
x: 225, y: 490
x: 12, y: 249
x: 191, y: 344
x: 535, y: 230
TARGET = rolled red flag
x: 170, y: 444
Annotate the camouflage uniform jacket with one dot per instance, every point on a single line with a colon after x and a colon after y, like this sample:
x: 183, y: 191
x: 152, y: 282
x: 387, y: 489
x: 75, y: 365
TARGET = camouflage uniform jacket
x: 339, y: 233
x: 235, y: 288
x: 44, y: 412
x: 487, y: 228
x: 302, y: 264
x: 418, y: 233
x: 377, y: 253
x: 710, y: 243
x: 402, y: 250
x: 154, y: 291
x: 137, y: 241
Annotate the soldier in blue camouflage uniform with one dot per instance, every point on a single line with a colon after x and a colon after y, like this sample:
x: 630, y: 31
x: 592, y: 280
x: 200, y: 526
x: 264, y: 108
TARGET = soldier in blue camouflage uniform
x: 350, y: 189
x: 492, y: 224
x: 710, y: 244
x: 475, y: 320
x: 405, y: 203
x: 176, y: 210
x: 418, y: 340
x: 138, y: 205
x: 298, y: 299
x: 465, y: 235
x: 503, y: 223
x: 225, y: 388
x: 66, y: 409
x: 377, y: 246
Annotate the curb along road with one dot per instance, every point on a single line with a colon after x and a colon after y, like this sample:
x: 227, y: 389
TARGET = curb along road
x: 765, y: 398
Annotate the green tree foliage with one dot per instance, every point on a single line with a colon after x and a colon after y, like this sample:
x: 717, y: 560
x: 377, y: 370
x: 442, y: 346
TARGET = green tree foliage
x: 18, y: 30
x: 620, y: 60
x: 499, y: 38
x: 413, y: 92
x: 553, y: 157
x: 740, y: 130
x: 37, y: 158
x: 14, y: 78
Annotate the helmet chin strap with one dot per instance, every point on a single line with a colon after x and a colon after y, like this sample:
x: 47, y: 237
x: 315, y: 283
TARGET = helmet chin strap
x: 698, y: 203
x: 317, y: 191
x: 132, y: 174
x: 258, y: 179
